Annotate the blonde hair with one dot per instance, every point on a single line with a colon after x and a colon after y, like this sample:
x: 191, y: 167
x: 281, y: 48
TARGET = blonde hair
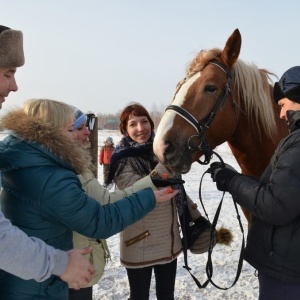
x: 54, y: 113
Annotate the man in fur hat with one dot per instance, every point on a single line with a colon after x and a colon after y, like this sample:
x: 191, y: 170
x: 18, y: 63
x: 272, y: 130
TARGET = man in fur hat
x: 273, y: 244
x: 30, y: 258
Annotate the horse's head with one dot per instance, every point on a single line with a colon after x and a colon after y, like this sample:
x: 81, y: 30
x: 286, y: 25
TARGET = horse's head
x: 202, y: 114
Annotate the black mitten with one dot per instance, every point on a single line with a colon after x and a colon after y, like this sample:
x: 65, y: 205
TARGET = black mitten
x: 223, y: 178
x: 222, y: 175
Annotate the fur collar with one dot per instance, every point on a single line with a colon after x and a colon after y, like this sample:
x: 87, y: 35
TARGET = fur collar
x: 29, y: 129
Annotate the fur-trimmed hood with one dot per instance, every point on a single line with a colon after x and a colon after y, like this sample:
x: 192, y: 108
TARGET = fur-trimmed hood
x: 41, y: 137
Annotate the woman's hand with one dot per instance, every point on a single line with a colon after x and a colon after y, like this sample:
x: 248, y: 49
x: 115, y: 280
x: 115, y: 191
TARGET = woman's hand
x: 165, y: 194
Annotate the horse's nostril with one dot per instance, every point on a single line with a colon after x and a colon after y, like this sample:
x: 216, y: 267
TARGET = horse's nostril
x: 170, y: 150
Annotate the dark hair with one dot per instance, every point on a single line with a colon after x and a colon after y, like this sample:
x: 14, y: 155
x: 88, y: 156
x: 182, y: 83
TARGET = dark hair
x: 135, y: 109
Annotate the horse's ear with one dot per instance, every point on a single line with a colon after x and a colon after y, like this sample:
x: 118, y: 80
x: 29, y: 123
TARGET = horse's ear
x: 232, y: 49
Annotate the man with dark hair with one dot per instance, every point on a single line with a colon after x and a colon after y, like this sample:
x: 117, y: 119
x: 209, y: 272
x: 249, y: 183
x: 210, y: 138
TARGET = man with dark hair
x: 273, y: 243
x: 25, y: 257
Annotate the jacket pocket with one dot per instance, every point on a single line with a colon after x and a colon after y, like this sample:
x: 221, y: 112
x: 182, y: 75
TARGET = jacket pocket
x: 141, y: 236
x: 98, y: 260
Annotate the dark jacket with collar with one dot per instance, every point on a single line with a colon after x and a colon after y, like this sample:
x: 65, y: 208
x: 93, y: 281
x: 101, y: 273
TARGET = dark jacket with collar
x: 273, y: 243
x: 42, y: 195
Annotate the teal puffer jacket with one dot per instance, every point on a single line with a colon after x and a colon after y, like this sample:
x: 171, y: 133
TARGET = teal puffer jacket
x: 42, y: 195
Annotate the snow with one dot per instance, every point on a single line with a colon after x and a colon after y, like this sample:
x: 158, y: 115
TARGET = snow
x: 114, y: 285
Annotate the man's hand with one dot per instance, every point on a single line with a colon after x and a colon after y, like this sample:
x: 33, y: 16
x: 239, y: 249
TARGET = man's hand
x: 222, y: 175
x: 79, y: 271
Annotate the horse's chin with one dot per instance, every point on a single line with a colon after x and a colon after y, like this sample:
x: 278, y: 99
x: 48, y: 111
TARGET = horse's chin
x: 185, y: 169
x: 180, y: 164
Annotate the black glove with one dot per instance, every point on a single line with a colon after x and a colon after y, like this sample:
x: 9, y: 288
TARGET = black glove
x: 222, y: 175
x: 158, y: 182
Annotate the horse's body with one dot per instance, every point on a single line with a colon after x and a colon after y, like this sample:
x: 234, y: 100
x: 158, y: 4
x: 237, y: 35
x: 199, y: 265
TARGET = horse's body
x: 246, y: 115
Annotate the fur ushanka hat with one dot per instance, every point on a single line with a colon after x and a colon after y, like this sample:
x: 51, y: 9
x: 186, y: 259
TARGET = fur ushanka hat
x: 288, y: 86
x: 11, y: 47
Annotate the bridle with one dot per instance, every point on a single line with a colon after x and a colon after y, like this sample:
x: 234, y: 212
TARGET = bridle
x: 202, y: 125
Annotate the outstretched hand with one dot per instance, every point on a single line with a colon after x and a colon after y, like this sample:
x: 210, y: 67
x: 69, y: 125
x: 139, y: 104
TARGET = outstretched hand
x: 222, y: 174
x: 165, y: 194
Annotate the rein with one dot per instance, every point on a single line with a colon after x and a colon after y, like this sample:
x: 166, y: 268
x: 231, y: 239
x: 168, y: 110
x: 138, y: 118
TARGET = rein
x: 209, y: 264
x: 202, y: 125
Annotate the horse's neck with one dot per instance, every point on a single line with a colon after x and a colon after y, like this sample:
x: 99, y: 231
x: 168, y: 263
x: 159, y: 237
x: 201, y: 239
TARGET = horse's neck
x: 253, y: 152
x: 252, y: 158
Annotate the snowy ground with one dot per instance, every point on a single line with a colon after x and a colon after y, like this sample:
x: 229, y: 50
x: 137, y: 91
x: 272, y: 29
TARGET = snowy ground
x: 114, y: 286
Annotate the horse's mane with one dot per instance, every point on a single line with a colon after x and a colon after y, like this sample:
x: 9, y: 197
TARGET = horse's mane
x: 252, y: 85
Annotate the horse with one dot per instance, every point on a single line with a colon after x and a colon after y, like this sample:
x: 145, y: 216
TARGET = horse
x: 221, y: 99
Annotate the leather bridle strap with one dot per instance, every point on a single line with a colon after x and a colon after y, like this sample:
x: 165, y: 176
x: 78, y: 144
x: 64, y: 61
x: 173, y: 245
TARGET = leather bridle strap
x: 202, y: 125
x: 187, y: 116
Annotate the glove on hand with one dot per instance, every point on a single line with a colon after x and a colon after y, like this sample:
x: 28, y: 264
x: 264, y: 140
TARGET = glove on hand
x: 222, y: 175
x: 158, y: 182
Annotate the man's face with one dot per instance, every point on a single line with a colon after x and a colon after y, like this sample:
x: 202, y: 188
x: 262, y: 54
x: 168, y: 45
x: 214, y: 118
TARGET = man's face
x: 7, y: 83
x: 285, y: 105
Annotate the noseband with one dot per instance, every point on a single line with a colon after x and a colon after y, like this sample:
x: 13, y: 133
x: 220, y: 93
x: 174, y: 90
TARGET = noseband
x: 202, y: 125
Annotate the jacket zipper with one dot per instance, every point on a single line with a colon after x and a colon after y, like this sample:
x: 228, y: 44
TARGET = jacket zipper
x: 137, y: 238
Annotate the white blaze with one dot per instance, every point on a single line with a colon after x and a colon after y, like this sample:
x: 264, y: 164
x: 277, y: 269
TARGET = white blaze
x: 167, y: 120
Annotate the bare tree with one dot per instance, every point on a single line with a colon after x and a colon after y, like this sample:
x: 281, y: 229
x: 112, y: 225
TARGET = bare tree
x: 101, y: 120
x: 157, y: 113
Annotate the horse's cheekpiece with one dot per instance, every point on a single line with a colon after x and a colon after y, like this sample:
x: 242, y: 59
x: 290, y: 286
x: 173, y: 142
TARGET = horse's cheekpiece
x: 202, y: 125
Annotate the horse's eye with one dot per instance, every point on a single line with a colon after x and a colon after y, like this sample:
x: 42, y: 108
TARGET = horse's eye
x: 210, y: 88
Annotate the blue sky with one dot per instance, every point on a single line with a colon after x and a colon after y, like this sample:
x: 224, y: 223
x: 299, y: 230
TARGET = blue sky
x: 100, y: 55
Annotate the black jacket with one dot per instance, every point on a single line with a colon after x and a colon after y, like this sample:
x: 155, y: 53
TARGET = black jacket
x: 273, y: 242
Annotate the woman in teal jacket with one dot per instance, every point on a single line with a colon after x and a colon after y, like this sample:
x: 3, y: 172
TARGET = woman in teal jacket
x: 42, y: 194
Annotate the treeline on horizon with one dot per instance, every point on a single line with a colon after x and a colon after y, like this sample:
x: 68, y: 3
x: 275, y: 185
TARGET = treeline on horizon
x: 155, y: 112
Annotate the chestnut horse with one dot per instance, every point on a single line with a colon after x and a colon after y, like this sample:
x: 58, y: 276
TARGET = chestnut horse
x: 221, y: 99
